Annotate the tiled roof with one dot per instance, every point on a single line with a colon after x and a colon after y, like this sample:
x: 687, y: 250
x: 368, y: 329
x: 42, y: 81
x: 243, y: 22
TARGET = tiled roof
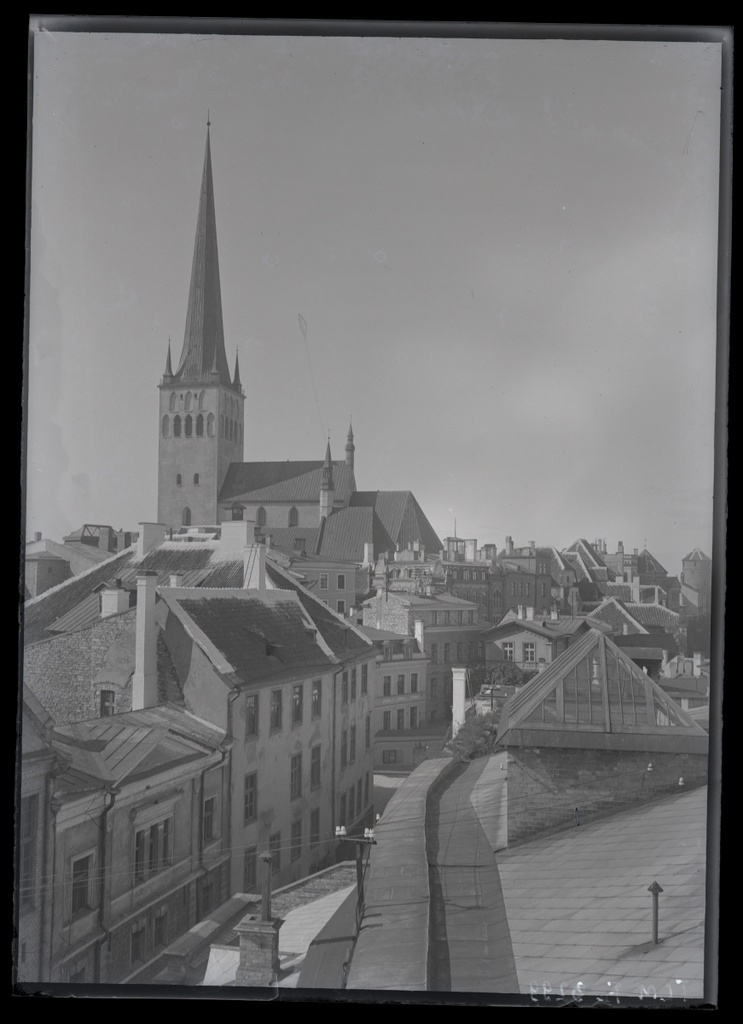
x: 284, y: 482
x: 284, y: 537
x: 654, y: 615
x: 616, y: 614
x: 401, y: 516
x: 347, y: 530
x: 655, y: 640
x: 697, y: 555
x: 78, y: 617
x: 622, y: 591
x: 648, y: 564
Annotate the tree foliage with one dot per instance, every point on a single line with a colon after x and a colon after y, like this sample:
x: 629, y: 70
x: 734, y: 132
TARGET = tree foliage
x: 476, y: 738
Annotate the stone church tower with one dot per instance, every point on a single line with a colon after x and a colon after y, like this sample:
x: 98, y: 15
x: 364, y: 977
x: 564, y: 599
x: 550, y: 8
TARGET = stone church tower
x: 201, y: 404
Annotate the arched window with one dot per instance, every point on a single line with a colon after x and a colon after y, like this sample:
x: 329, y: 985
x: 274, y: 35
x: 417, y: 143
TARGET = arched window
x: 176, y: 426
x: 178, y: 479
x: 166, y: 426
x: 172, y: 401
x: 189, y: 399
x: 189, y: 426
x: 221, y: 426
x: 210, y: 424
x: 260, y: 516
x: 186, y: 517
x: 293, y: 517
x: 230, y: 429
x: 196, y: 479
x: 199, y: 425
x: 202, y: 396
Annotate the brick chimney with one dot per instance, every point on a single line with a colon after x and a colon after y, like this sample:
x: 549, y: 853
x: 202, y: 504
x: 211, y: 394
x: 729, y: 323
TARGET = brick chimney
x: 259, y: 938
x: 144, y: 683
x: 114, y: 600
x: 151, y: 535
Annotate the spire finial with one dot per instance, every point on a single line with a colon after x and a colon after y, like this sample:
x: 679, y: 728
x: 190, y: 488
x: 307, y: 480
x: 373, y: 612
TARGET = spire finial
x: 208, y: 119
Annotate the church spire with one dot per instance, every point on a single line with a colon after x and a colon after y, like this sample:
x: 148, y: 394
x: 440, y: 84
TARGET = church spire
x: 203, y: 342
x: 350, y: 447
x: 327, y: 487
x: 236, y: 379
x: 168, y: 363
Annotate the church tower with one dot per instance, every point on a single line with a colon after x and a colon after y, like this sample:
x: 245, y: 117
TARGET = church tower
x: 201, y: 404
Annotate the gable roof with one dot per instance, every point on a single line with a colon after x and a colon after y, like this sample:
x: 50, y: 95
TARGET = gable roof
x: 617, y: 615
x: 697, y: 555
x: 401, y: 516
x: 648, y: 564
x: 594, y: 695
x: 654, y: 615
x: 284, y: 482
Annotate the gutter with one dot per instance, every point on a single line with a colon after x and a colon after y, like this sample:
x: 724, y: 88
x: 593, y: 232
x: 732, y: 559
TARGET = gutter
x: 105, y: 875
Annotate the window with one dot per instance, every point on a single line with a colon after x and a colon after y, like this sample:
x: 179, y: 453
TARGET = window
x: 153, y: 849
x: 366, y: 790
x: 387, y: 721
x: 293, y: 517
x: 189, y: 426
x: 344, y: 688
x: 178, y: 479
x: 186, y: 517
x: 251, y: 716
x: 297, y: 704
x: 527, y: 588
x: 82, y: 877
x: 513, y: 590
x: 27, y: 852
x: 210, y: 425
x: 138, y: 933
x: 176, y: 426
x: 352, y: 752
x: 364, y: 680
x: 401, y: 718
x: 172, y: 401
x: 189, y: 401
x: 471, y: 617
x: 315, y: 767
x: 166, y: 426
x: 389, y: 757
x: 447, y: 648
x: 434, y: 618
x: 275, y: 709
x: 196, y: 479
x: 315, y: 829
x: 358, y: 797
x: 210, y: 819
x: 250, y: 800
x: 433, y: 686
x: 237, y: 513
x: 323, y: 581
x: 472, y: 650
x: 351, y: 806
x: 434, y: 653
x: 199, y: 425
x: 296, y: 851
x: 368, y: 732
x: 530, y: 653
x: 344, y: 748
x: 296, y: 777
x: 508, y: 651
x: 274, y: 848
x: 316, y: 698
x: 207, y: 893
x: 341, y: 607
x: 341, y: 581
x: 353, y: 684
x: 107, y: 703
x: 460, y: 653
x: 161, y: 927
x: 414, y: 718
x: 401, y: 683
x: 460, y: 618
x: 260, y: 516
x: 221, y: 425
x: 447, y: 618
x: 387, y: 686
x: 250, y: 870
x: 342, y: 814
x: 447, y: 689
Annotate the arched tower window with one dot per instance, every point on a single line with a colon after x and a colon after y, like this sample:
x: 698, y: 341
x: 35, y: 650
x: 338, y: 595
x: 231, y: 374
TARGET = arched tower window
x: 196, y: 478
x: 293, y: 517
x: 189, y: 399
x: 173, y: 400
x: 178, y: 479
x: 202, y: 396
x: 210, y: 424
x: 186, y: 517
x: 176, y: 426
x: 189, y: 426
x: 230, y: 431
x: 260, y: 516
x: 166, y: 426
x: 199, y: 425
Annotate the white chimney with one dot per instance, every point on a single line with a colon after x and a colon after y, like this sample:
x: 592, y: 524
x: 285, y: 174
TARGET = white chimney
x: 625, y: 629
x: 636, y: 589
x: 368, y: 553
x: 151, y: 535
x: 697, y: 663
x: 530, y: 614
x: 520, y: 611
x: 255, y: 567
x: 470, y: 550
x: 269, y: 541
x: 554, y: 614
x: 457, y: 699
x: 235, y: 536
x: 419, y: 633
x: 144, y: 683
x: 114, y: 600
x: 176, y: 579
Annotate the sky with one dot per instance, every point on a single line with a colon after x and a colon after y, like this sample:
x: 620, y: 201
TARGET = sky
x: 505, y: 252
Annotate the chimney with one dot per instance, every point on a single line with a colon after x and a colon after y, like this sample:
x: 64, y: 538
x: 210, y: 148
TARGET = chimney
x: 235, y: 536
x: 530, y: 614
x: 532, y: 547
x: 151, y: 535
x: 368, y: 553
x: 144, y: 683
x: 625, y: 629
x: 259, y: 938
x: 457, y: 701
x: 520, y: 611
x: 554, y: 614
x: 114, y: 600
x: 176, y: 579
x: 269, y: 541
x: 697, y: 663
x: 635, y: 589
x: 37, y: 536
x: 254, y: 561
x: 419, y: 633
x: 509, y: 545
x: 634, y: 552
x: 470, y: 550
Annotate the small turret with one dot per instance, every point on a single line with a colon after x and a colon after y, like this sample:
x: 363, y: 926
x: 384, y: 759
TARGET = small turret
x: 168, y: 363
x: 327, y: 486
x: 350, y: 447
x: 236, y: 379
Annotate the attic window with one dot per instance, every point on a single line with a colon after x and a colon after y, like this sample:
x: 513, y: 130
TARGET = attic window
x: 272, y: 650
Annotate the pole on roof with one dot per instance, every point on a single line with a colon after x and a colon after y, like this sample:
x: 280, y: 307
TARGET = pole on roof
x: 655, y: 889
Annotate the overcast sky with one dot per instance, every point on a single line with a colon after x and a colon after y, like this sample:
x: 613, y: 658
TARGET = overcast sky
x: 504, y: 251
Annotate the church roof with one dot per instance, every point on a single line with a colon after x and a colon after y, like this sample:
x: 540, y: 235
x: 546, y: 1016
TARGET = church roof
x: 284, y: 482
x: 203, y: 342
x: 648, y: 564
x: 697, y: 555
x: 594, y: 695
x: 401, y: 516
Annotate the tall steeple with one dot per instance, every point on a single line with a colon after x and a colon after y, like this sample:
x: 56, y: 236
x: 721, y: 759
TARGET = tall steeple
x: 350, y: 447
x: 203, y: 342
x: 168, y: 363
x: 327, y: 486
x: 236, y: 378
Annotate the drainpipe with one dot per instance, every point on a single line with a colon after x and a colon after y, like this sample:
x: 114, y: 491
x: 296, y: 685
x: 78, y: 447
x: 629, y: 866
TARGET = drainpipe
x: 332, y: 774
x: 105, y: 877
x: 47, y: 903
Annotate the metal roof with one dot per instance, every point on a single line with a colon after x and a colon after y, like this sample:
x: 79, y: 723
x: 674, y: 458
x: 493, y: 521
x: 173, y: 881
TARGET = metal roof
x: 284, y: 482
